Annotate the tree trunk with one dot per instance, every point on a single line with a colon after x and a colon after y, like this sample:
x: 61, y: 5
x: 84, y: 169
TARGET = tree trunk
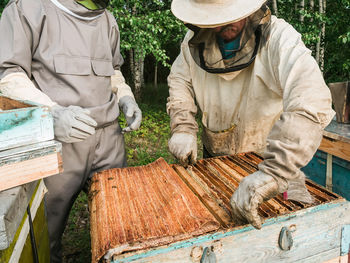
x: 318, y: 45
x: 156, y: 75
x: 137, y: 80
x: 275, y: 7
x: 323, y: 35
x: 132, y: 65
x: 312, y: 6
x: 302, y: 10
x: 142, y: 68
x: 136, y: 67
x: 137, y: 72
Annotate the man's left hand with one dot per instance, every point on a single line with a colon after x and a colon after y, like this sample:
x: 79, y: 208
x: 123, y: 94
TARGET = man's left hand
x: 132, y: 112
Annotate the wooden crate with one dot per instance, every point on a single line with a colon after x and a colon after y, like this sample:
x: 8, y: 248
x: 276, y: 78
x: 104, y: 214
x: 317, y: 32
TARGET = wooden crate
x: 23, y: 123
x: 131, y: 213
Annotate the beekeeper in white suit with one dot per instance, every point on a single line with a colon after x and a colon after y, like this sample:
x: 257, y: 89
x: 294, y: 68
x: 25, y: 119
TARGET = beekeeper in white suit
x: 257, y: 88
x: 65, y: 54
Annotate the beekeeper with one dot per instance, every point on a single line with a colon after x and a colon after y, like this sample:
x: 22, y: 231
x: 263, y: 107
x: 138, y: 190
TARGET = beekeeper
x: 65, y: 54
x: 257, y: 88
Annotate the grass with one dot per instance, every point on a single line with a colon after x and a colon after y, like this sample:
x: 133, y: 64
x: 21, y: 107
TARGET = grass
x: 143, y: 146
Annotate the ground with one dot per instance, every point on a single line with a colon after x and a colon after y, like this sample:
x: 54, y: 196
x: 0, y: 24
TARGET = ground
x: 142, y: 147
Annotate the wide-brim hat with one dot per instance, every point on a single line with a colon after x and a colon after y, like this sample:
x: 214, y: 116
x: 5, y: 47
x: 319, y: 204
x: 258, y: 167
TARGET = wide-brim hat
x: 212, y: 13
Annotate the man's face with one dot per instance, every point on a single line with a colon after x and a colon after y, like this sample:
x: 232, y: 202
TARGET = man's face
x: 231, y: 31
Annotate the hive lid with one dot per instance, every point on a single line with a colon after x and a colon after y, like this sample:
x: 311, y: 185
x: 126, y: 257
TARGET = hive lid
x: 141, y: 207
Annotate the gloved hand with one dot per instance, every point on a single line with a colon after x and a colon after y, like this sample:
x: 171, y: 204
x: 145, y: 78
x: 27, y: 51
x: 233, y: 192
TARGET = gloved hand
x: 72, y: 124
x: 132, y: 112
x: 184, y: 147
x: 251, y: 192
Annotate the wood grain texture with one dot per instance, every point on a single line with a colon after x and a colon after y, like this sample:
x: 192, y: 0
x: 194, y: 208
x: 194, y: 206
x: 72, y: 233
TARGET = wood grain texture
x: 29, y: 163
x: 16, y: 174
x: 141, y: 207
x: 337, y: 148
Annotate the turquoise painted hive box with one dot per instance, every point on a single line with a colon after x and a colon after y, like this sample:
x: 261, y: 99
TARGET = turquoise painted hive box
x: 23, y: 123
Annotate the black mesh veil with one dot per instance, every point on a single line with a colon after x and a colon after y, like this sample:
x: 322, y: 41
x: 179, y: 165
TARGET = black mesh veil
x: 205, y: 51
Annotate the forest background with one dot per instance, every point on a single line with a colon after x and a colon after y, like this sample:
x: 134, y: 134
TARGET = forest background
x: 150, y: 41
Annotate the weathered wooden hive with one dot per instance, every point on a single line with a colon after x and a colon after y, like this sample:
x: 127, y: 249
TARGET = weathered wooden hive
x: 159, y: 213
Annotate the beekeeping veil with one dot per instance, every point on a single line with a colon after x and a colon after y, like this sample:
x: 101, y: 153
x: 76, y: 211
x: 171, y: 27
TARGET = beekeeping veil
x: 201, y: 16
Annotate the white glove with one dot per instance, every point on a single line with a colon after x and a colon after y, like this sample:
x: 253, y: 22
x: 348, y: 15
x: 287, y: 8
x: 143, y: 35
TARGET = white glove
x: 132, y: 112
x: 72, y: 124
x: 251, y: 192
x: 184, y: 147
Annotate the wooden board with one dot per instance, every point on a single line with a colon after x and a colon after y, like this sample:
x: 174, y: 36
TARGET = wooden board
x: 25, y: 164
x: 141, y: 207
x: 337, y: 148
x: 212, y: 181
x: 23, y: 123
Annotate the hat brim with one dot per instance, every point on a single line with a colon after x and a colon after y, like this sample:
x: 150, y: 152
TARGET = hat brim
x: 210, y: 14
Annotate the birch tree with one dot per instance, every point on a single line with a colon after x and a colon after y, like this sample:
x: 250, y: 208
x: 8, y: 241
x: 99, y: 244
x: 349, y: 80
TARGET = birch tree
x: 275, y: 7
x: 145, y: 28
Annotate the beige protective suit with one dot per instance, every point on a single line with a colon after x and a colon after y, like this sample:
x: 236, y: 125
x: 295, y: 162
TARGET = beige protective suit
x: 278, y: 105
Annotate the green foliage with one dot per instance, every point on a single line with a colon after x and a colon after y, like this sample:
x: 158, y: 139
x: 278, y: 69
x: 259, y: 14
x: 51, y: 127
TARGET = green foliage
x: 76, y: 238
x: 3, y: 3
x: 337, y: 41
x: 337, y: 36
x: 150, y: 141
x: 147, y: 27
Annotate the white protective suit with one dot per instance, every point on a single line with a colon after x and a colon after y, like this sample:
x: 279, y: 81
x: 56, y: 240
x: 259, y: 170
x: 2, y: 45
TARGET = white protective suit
x: 278, y: 105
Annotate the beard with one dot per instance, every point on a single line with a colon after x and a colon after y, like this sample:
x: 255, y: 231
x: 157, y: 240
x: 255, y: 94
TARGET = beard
x: 230, y: 31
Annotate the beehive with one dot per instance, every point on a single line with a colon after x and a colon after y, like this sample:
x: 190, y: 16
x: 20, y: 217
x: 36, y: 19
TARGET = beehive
x: 23, y: 123
x: 159, y: 213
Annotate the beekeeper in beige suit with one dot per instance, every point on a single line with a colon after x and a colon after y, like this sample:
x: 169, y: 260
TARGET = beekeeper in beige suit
x: 257, y: 88
x: 65, y: 54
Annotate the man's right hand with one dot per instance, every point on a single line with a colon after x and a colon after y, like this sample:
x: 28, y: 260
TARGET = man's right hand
x: 250, y: 194
x: 184, y: 147
x: 72, y: 124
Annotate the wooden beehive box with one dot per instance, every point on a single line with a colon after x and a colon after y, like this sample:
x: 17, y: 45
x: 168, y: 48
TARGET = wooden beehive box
x: 162, y: 213
x: 23, y: 123
x: 29, y: 163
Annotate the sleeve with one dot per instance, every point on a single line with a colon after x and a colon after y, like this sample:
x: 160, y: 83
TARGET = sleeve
x: 181, y: 103
x: 117, y: 58
x: 19, y: 87
x: 119, y: 86
x: 19, y: 40
x: 307, y: 108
